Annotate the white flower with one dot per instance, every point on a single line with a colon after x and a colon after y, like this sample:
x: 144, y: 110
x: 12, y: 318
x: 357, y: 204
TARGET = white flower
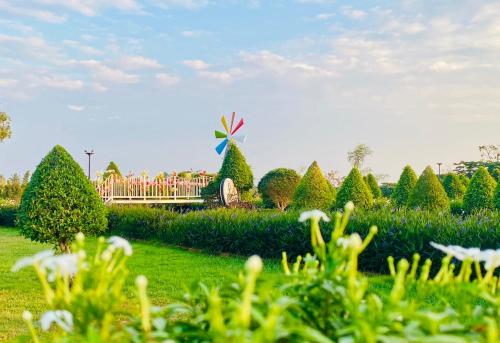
x: 121, y: 243
x: 62, y: 318
x: 254, y: 264
x: 459, y: 252
x: 349, y: 206
x: 491, y: 258
x: 314, y: 214
x: 66, y: 265
x: 355, y: 241
x: 31, y: 260
x: 343, y: 242
x: 141, y: 281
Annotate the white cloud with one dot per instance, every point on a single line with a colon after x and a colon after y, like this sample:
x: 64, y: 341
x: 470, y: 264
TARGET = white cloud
x: 443, y: 66
x: 165, y: 79
x: 324, y: 16
x: 187, y: 4
x: 88, y: 50
x: 196, y: 64
x: 43, y: 15
x: 93, y: 7
x: 60, y: 82
x: 223, y: 76
x: 76, y: 108
x: 138, y: 62
x: 104, y: 73
x: 353, y: 13
x: 8, y: 83
x: 192, y: 34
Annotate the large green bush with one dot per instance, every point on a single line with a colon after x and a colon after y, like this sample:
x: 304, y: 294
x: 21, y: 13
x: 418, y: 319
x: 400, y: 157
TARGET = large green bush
x: 479, y: 194
x: 496, y: 198
x: 453, y: 186
x: 277, y: 187
x: 59, y: 202
x: 372, y: 184
x: 314, y: 191
x: 428, y: 193
x: 356, y: 190
x: 405, y: 185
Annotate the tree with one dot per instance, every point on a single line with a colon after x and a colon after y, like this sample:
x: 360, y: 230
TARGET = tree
x: 358, y: 155
x: 356, y: 190
x: 278, y: 186
x: 405, y: 185
x: 429, y: 193
x: 26, y: 178
x: 496, y: 198
x: 5, y: 129
x: 479, y: 193
x: 453, y: 186
x: 112, y: 169
x: 490, y: 152
x: 59, y: 202
x: 372, y: 184
x: 314, y: 191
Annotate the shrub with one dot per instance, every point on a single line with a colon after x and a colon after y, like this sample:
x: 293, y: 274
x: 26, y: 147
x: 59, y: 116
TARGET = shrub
x: 59, y: 202
x: 479, y: 194
x: 112, y: 169
x: 428, y: 193
x: 356, y: 190
x: 453, y: 186
x: 314, y: 190
x: 372, y: 184
x: 277, y: 187
x: 387, y: 189
x: 457, y: 206
x: 405, y: 185
x: 496, y: 199
x: 8, y: 214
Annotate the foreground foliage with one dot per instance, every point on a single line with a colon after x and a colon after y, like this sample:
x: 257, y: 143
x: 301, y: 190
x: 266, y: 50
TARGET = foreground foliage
x: 323, y: 299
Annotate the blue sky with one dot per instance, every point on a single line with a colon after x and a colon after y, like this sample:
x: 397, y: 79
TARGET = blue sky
x: 144, y: 82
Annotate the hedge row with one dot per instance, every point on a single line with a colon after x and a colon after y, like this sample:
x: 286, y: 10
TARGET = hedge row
x: 8, y: 215
x: 268, y: 233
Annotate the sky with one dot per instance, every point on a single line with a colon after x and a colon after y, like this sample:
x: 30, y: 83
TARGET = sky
x: 145, y: 82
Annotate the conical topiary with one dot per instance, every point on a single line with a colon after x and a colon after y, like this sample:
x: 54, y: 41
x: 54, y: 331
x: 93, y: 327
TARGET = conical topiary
x: 59, y: 202
x: 112, y: 169
x: 429, y: 193
x: 236, y: 168
x: 405, y: 185
x: 453, y: 186
x: 372, y: 184
x: 479, y: 193
x: 278, y: 186
x: 496, y: 198
x: 354, y: 189
x: 314, y: 190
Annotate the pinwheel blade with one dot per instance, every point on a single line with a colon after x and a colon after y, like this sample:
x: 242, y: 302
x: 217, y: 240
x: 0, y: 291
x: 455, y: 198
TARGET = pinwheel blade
x: 224, y: 122
x: 239, y: 138
x: 221, y: 146
x: 232, y: 120
x: 240, y: 124
x: 219, y: 134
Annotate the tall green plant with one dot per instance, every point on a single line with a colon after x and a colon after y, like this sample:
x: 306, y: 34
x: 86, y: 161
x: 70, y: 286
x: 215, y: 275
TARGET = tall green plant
x: 112, y: 169
x: 480, y: 191
x: 356, y: 190
x: 428, y: 193
x: 278, y: 186
x: 405, y: 185
x: 453, y: 186
x: 314, y: 190
x: 372, y: 184
x: 59, y: 202
x: 496, y: 199
x: 235, y: 167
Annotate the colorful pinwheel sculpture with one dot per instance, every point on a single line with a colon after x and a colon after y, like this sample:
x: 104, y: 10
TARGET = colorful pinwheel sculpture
x: 229, y: 134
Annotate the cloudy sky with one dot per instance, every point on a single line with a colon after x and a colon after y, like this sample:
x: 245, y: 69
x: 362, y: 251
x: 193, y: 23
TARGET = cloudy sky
x: 144, y: 82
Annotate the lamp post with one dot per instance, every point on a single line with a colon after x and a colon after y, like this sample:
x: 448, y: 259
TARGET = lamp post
x: 89, y: 153
x: 439, y: 168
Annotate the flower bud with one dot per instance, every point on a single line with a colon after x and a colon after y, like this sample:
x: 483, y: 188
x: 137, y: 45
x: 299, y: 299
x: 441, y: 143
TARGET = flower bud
x: 27, y: 316
x: 141, y: 281
x: 349, y: 207
x: 80, y: 237
x: 254, y: 264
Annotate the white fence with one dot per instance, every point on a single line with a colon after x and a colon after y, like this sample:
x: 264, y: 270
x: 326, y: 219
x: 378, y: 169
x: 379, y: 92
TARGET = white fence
x: 135, y: 190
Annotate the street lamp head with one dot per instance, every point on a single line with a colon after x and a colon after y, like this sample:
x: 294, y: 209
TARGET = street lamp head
x: 89, y: 152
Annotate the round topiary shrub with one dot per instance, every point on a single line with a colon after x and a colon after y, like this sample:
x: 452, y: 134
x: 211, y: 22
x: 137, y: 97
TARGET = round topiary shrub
x: 59, y: 202
x: 277, y: 187
x: 405, y: 185
x: 479, y: 194
x: 354, y: 189
x: 429, y: 193
x: 453, y: 186
x: 314, y: 191
x: 372, y: 184
x: 496, y: 198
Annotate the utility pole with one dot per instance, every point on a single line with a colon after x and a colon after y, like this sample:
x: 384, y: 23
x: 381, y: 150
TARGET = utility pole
x: 439, y: 168
x: 89, y: 153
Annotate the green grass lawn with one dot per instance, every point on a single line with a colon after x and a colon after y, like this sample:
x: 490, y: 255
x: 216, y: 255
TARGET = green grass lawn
x: 169, y: 270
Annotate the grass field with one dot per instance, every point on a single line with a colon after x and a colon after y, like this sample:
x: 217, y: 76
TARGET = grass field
x: 168, y: 269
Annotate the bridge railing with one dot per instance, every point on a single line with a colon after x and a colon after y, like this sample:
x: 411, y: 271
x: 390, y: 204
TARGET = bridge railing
x: 140, y: 189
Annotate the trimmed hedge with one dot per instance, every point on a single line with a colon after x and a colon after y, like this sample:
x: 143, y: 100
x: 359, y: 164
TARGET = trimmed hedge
x: 453, y: 186
x: 354, y: 189
x: 405, y: 185
x: 479, y: 194
x: 372, y: 184
x: 8, y: 215
x: 268, y: 233
x: 429, y: 193
x: 314, y: 191
x: 496, y: 199
x: 277, y: 187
